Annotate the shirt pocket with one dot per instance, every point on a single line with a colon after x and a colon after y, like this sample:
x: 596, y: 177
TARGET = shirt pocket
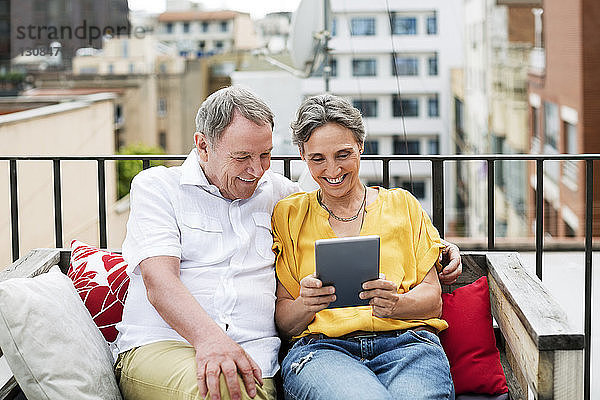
x: 202, y: 238
x: 264, y: 237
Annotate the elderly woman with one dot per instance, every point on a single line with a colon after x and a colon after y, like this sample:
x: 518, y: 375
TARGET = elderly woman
x: 389, y: 349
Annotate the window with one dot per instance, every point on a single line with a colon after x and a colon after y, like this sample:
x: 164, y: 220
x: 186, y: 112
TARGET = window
x: 169, y: 27
x: 162, y: 140
x: 186, y: 27
x: 402, y: 146
x: 434, y: 146
x: 570, y: 168
x: 433, y: 65
x: 111, y: 68
x: 432, y: 25
x: 551, y: 122
x: 201, y: 45
x: 433, y: 107
x: 219, y: 44
x: 131, y: 68
x: 224, y: 26
x: 334, y: 27
x: 371, y: 147
x: 118, y: 114
x: 498, y: 148
x: 362, y: 26
x: 408, y: 106
x: 405, y: 66
x: 417, y: 188
x: 125, y: 48
x: 404, y: 25
x: 205, y: 27
x: 364, y: 67
x: 162, y: 107
x: 368, y: 108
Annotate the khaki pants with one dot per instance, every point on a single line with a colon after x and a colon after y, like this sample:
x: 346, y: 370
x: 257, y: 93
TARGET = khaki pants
x: 167, y: 370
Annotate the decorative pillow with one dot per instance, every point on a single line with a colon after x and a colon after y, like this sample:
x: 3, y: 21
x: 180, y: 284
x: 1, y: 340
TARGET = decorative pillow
x: 469, y: 341
x: 101, y: 281
x: 51, y: 344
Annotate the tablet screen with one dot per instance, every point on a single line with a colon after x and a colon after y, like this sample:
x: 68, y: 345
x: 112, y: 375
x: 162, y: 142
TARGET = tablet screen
x: 346, y: 263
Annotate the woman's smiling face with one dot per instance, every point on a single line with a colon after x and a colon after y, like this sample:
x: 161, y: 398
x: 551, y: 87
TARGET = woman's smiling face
x: 333, y: 158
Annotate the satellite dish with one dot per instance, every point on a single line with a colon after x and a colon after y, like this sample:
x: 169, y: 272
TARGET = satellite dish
x: 307, y: 37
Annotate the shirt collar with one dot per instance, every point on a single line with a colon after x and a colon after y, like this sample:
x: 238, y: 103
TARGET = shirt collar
x: 192, y: 174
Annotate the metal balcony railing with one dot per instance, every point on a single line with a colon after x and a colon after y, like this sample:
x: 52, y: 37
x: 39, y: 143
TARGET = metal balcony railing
x: 437, y: 175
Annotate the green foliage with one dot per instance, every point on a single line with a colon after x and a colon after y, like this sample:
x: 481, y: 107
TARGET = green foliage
x: 13, y: 77
x: 127, y: 169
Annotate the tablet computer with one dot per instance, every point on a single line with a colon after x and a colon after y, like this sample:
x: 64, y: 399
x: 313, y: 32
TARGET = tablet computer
x: 346, y: 263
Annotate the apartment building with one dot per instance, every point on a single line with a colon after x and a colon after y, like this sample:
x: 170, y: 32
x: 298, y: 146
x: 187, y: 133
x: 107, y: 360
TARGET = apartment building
x: 397, y: 64
x: 493, y: 117
x: 564, y: 107
x: 74, y: 24
x: 158, y: 92
x: 196, y: 33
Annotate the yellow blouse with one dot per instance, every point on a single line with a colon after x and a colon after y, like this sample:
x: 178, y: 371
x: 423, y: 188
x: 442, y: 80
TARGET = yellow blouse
x: 409, y: 247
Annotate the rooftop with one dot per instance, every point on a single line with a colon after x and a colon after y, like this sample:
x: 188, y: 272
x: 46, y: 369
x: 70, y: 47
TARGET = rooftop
x: 175, y: 16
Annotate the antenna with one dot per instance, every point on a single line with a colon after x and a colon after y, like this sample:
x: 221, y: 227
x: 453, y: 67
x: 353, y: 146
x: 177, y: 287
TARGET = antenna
x: 309, y: 37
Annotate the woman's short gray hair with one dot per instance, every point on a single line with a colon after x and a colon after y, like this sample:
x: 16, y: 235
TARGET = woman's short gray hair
x: 216, y: 112
x: 319, y: 110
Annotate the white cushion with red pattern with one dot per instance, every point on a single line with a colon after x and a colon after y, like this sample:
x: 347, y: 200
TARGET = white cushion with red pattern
x: 101, y: 281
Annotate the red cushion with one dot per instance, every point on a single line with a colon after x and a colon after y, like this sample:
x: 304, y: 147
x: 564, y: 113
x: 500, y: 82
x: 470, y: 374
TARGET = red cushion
x: 101, y: 280
x: 469, y: 341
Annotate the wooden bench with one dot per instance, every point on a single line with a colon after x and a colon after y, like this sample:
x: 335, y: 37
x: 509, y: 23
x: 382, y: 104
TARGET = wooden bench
x: 542, y: 354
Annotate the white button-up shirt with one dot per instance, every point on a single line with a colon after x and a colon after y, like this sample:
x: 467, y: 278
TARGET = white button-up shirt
x: 225, y: 251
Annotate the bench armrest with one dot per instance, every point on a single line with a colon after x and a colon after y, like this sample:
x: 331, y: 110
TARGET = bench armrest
x: 545, y: 352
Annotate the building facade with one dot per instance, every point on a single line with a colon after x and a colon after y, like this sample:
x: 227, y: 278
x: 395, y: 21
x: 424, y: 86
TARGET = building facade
x: 74, y: 24
x: 564, y: 106
x: 494, y: 115
x: 392, y: 66
x: 197, y: 33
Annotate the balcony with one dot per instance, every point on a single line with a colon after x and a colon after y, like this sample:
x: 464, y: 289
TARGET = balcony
x: 511, y: 285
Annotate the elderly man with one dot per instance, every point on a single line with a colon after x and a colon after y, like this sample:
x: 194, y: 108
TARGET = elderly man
x: 198, y: 319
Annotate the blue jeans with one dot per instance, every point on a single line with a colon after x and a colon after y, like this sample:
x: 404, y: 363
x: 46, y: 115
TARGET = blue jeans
x: 396, y: 365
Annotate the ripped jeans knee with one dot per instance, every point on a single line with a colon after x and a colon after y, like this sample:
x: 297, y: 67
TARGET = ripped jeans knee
x: 297, y: 366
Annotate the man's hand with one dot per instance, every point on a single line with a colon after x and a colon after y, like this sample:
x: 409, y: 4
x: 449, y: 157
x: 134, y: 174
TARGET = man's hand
x: 220, y: 354
x: 216, y: 353
x: 313, y: 295
x: 450, y: 259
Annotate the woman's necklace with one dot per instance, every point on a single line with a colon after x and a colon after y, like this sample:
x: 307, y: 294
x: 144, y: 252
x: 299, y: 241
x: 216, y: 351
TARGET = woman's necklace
x: 341, y: 219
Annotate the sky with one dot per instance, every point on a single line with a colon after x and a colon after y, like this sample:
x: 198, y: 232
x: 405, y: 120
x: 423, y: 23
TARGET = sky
x: 257, y: 8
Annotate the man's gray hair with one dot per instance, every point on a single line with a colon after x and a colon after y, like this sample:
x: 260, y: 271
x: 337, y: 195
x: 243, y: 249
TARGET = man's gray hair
x: 216, y: 112
x: 320, y: 110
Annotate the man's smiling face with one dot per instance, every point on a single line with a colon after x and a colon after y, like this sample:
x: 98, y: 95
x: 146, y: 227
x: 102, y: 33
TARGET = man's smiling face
x: 239, y: 158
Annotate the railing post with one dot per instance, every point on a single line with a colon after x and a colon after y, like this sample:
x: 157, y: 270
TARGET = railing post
x: 287, y: 168
x: 490, y: 199
x: 14, y: 210
x: 58, y: 235
x: 102, y: 203
x: 438, y: 194
x: 589, y: 204
x: 539, y: 217
x: 386, y: 173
